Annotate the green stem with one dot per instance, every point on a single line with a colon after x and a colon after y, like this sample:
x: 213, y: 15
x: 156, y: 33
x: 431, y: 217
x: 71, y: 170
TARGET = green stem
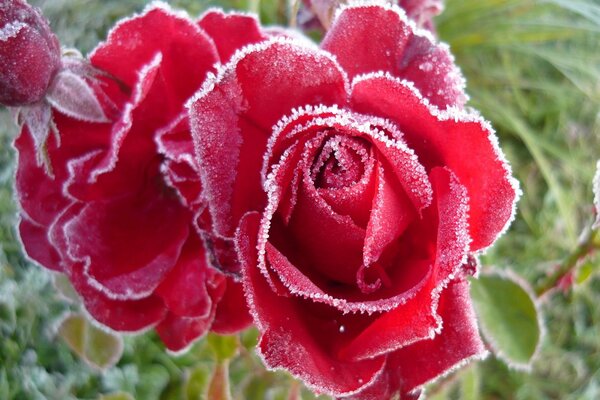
x: 589, y: 242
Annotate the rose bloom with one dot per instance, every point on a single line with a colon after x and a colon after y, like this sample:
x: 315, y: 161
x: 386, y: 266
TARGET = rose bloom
x: 356, y: 190
x: 29, y: 53
x: 115, y: 207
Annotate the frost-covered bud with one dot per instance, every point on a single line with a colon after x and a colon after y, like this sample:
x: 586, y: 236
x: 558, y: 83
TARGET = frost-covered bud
x: 29, y: 53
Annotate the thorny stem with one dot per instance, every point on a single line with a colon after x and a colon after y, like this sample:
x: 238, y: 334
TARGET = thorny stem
x: 589, y: 242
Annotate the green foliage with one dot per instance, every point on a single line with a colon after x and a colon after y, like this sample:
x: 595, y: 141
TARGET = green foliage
x: 508, y: 318
x: 96, y: 347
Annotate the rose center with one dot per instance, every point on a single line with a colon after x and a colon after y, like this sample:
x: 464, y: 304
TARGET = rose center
x: 340, y: 163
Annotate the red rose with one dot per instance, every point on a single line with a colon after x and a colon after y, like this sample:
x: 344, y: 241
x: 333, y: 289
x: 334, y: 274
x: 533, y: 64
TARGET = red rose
x: 378, y: 188
x: 115, y: 212
x: 29, y: 53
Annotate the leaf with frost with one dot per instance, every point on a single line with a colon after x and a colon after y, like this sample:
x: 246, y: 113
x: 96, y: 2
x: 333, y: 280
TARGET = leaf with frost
x: 73, y: 96
x: 37, y: 118
x: 99, y: 349
x: 596, y: 186
x: 508, y: 317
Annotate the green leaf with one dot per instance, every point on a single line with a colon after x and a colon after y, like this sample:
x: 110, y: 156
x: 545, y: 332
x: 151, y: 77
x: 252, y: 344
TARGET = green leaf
x: 99, y: 349
x: 508, y: 317
x: 224, y: 347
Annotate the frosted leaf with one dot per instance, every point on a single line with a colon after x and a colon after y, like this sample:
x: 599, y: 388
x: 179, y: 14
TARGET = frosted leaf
x: 596, y: 189
x: 38, y: 120
x: 73, y: 96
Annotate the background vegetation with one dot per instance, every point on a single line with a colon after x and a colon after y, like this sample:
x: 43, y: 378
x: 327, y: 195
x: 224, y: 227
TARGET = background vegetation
x: 533, y: 69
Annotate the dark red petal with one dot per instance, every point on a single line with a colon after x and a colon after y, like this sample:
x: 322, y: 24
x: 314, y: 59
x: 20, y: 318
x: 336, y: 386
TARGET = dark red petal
x: 184, y: 288
x: 458, y: 343
x: 463, y: 142
x: 289, y: 336
x: 232, y: 313
x: 129, y: 244
x: 179, y: 169
x: 188, y: 53
x: 35, y: 242
x: 39, y: 194
x: 370, y: 38
x: 391, y: 213
x: 122, y: 316
x: 330, y: 242
x: 231, y: 31
x: 416, y: 317
x: 178, y: 333
x: 232, y: 117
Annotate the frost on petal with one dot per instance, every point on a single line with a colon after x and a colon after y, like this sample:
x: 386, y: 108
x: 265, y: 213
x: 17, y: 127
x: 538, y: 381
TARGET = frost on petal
x: 291, y: 337
x: 463, y: 142
x: 232, y: 314
x: 233, y: 115
x: 29, y: 54
x: 231, y: 31
x: 122, y: 316
x: 416, y: 318
x: 179, y: 169
x: 73, y: 96
x: 391, y: 213
x: 38, y: 120
x: 39, y: 195
x: 457, y: 344
x: 188, y: 52
x: 178, y: 333
x: 35, y: 242
x: 596, y: 188
x: 183, y: 289
x: 130, y: 244
x: 333, y: 248
x: 372, y: 38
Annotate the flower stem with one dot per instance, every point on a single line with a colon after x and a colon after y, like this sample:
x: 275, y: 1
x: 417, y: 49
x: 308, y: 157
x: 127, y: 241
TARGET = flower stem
x: 589, y: 241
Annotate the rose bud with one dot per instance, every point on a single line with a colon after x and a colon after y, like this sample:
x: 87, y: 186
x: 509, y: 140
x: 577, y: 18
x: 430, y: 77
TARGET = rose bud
x: 29, y: 54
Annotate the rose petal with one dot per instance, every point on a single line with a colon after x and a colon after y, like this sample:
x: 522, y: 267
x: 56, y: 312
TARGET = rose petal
x: 461, y: 141
x: 35, y: 242
x: 128, y: 245
x: 290, y: 336
x: 39, y: 194
x: 179, y: 333
x: 230, y: 32
x: 122, y: 316
x: 391, y: 213
x: 375, y: 37
x: 417, y: 317
x: 232, y: 116
x: 184, y: 288
x: 232, y: 314
x: 458, y: 343
x: 187, y: 50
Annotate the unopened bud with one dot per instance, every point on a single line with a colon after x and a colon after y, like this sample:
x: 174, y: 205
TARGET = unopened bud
x: 29, y: 54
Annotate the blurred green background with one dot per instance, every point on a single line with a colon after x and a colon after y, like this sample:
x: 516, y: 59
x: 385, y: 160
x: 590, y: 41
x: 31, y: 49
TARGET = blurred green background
x: 532, y: 68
